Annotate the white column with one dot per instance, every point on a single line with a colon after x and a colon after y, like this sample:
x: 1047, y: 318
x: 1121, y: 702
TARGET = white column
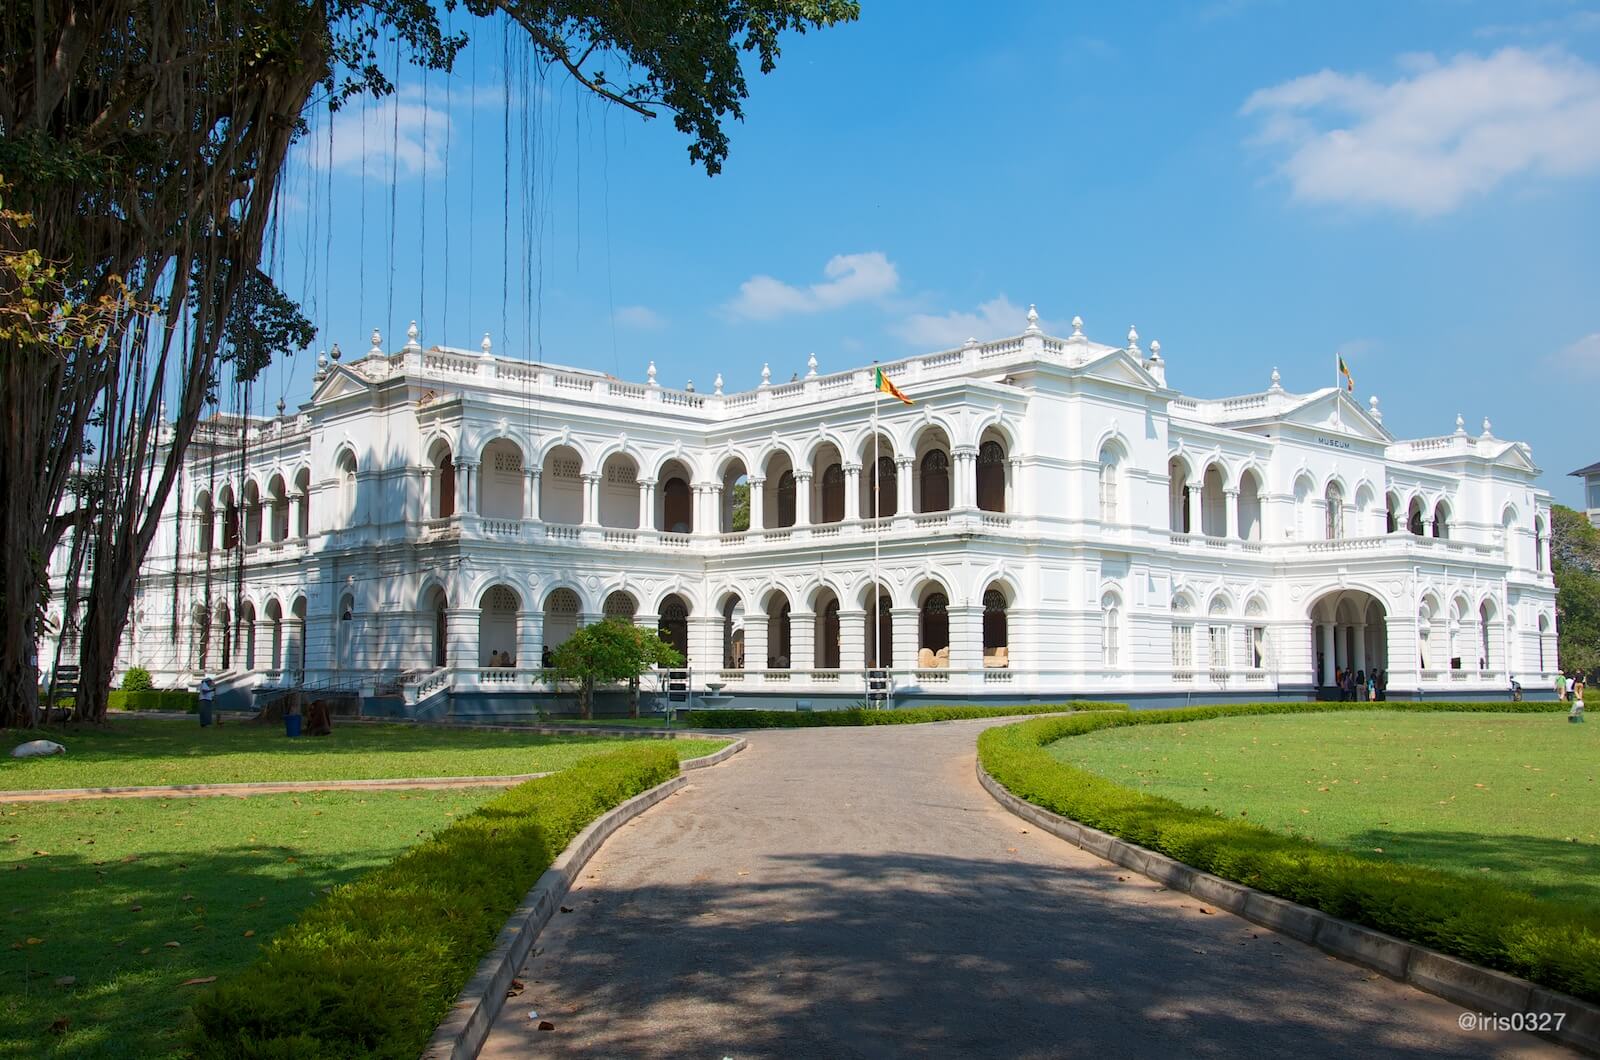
x: 964, y: 490
x: 647, y: 493
x: 591, y: 498
x: 1013, y: 479
x: 852, y: 492
x: 1361, y: 647
x: 802, y: 639
x: 852, y: 638
x: 1230, y: 500
x: 461, y: 637
x: 534, y: 477
x: 902, y: 480
x: 530, y: 635
x: 802, y: 498
x: 906, y: 636
x: 1325, y: 632
x: 755, y: 638
x: 966, y: 638
x: 757, y: 500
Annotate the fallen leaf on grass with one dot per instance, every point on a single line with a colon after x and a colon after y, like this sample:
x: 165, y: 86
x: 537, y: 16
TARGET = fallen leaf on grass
x: 66, y: 980
x: 249, y: 933
x: 135, y: 908
x: 60, y: 1026
x: 200, y: 980
x: 188, y: 898
x: 41, y: 853
x: 33, y: 941
x: 170, y: 945
x: 517, y: 986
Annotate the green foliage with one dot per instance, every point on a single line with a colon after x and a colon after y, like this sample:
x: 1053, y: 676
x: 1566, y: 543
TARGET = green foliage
x: 800, y: 719
x: 137, y: 679
x: 1575, y: 562
x: 372, y: 968
x: 1469, y: 918
x: 127, y: 698
x: 610, y: 651
x: 741, y: 506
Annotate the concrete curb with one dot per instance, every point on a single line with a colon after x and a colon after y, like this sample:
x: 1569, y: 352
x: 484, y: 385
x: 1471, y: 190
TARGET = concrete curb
x: 261, y: 787
x: 466, y: 1027
x: 1457, y: 981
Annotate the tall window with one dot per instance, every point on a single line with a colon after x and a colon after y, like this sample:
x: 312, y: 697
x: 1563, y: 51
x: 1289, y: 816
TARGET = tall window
x: 1334, y: 522
x: 1110, y: 629
x: 1258, y: 647
x: 1538, y: 545
x: 936, y: 481
x: 1108, y: 486
x: 1182, y: 648
x: 992, y: 477
x: 832, y: 494
x: 1219, y: 648
x: 786, y: 499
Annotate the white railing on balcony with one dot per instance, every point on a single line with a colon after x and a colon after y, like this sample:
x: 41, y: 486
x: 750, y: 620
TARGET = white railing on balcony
x: 675, y: 540
x: 502, y: 527
x: 614, y: 536
x: 561, y: 532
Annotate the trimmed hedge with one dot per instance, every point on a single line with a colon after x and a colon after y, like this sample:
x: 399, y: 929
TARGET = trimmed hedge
x: 175, y: 699
x: 373, y: 967
x: 805, y: 719
x: 1485, y: 923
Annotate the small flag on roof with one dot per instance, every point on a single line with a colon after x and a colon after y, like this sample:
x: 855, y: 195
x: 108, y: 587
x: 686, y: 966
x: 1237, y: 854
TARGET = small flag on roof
x: 881, y: 382
x: 1349, y: 383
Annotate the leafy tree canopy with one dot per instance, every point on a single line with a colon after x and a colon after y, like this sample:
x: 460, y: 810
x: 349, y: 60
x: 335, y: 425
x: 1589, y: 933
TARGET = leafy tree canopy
x: 1575, y: 561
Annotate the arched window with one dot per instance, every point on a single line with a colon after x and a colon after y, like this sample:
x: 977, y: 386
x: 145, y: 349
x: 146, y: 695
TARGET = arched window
x: 934, y: 651
x: 673, y: 623
x: 620, y: 606
x: 1218, y: 637
x: 345, y: 468
x: 1213, y: 504
x: 278, y: 499
x: 879, y: 640
x: 560, y: 619
x: 1178, y: 496
x: 1391, y: 518
x: 1538, y: 544
x: 992, y: 476
x: 247, y: 634
x: 205, y: 518
x: 441, y: 636
x: 1110, y: 629
x: 785, y: 499
x: 936, y: 481
x: 825, y: 645
x: 1441, y: 520
x: 832, y: 507
x: 444, y: 482
x: 302, y: 489
x: 886, y: 483
x: 1414, y: 517
x: 779, y: 643
x: 996, y: 641
x: 1182, y: 640
x: 1249, y: 507
x: 733, y: 639
x: 230, y: 520
x: 252, y: 513
x: 497, y: 627
x: 500, y: 484
x: 1544, y: 633
x: 1333, y: 522
x: 1486, y: 659
x: 677, y: 507
x: 1108, y: 485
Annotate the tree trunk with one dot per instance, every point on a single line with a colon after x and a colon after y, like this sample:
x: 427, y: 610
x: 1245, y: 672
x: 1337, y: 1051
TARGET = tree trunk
x: 586, y: 699
x: 633, y: 697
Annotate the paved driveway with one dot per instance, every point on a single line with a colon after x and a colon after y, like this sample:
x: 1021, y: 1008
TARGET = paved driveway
x: 855, y: 893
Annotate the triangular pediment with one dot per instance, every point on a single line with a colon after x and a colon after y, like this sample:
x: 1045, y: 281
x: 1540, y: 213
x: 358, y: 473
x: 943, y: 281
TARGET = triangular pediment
x: 1333, y: 413
x: 340, y: 382
x: 1117, y: 366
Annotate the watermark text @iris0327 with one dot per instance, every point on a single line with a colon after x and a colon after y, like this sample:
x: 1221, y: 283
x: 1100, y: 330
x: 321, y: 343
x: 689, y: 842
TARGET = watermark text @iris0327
x: 1534, y: 1022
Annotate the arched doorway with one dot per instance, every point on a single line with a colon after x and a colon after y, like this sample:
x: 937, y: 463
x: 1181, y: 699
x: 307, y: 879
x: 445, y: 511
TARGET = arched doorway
x: 672, y: 622
x: 779, y: 643
x: 438, y: 604
x: 879, y: 639
x: 497, y: 627
x: 1349, y: 631
x: 733, y: 633
x: 560, y: 618
x: 677, y: 500
x: 933, y: 628
x: 991, y: 474
x: 825, y: 641
x: 996, y: 640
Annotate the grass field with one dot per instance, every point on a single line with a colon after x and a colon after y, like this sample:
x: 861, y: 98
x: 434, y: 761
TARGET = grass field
x: 1513, y: 798
x: 129, y: 751
x: 99, y: 890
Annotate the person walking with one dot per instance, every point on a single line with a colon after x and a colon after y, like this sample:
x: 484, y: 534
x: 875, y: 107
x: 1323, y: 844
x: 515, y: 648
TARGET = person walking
x: 208, y: 694
x: 1561, y: 687
x: 1576, y: 713
x: 1381, y: 685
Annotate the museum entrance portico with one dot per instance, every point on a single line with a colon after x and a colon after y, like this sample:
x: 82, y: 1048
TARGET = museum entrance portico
x: 1349, y: 631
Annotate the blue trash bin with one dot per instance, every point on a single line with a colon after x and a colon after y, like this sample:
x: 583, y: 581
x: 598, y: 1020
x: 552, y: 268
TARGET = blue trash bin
x: 291, y: 725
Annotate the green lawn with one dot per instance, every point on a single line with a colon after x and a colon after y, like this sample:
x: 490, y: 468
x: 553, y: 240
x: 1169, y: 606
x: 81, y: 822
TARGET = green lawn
x: 130, y: 751
x: 100, y: 888
x: 1509, y: 797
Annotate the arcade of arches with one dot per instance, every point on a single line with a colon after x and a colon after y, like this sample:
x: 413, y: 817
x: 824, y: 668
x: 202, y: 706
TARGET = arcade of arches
x: 1349, y: 632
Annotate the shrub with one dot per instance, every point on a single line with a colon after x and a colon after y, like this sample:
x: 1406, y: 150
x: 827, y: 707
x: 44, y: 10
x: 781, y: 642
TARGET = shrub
x: 800, y: 719
x: 372, y: 968
x: 137, y: 679
x: 1482, y: 922
x: 153, y: 699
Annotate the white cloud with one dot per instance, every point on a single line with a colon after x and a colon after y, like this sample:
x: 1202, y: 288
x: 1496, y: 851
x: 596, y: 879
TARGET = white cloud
x: 1575, y: 22
x: 640, y: 318
x: 849, y: 278
x: 997, y: 316
x: 1439, y: 134
x: 398, y: 131
x: 1580, y: 358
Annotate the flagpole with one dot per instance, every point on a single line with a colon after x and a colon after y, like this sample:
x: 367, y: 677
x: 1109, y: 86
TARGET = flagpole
x: 877, y: 598
x: 1338, y: 385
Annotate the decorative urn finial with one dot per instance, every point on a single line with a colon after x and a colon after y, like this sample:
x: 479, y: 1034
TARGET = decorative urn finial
x: 335, y: 353
x: 487, y: 345
x: 377, y: 341
x: 811, y: 366
x: 1133, y: 340
x: 650, y: 375
x: 717, y: 383
x: 1277, y: 380
x: 1033, y: 318
x: 766, y: 375
x: 412, y: 342
x: 1372, y: 408
x: 1155, y: 349
x: 1077, y: 327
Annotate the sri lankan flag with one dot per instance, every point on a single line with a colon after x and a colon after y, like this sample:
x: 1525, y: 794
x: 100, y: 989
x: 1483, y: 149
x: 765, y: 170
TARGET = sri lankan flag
x: 1349, y: 383
x: 881, y: 382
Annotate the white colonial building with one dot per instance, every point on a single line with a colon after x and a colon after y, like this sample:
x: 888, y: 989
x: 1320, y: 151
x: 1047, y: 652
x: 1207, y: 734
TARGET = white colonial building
x: 1052, y: 520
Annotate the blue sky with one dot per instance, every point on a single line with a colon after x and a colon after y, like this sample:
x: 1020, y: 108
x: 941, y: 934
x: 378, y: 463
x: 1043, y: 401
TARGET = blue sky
x: 1254, y: 184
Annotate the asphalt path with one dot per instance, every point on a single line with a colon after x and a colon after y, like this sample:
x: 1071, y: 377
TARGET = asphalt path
x: 855, y: 893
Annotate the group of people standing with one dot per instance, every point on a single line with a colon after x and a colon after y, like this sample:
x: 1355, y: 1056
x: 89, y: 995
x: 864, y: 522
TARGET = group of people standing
x: 1360, y: 686
x: 1569, y: 688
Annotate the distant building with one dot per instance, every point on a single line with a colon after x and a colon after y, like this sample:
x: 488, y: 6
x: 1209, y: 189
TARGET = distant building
x: 1591, y: 491
x: 1049, y: 519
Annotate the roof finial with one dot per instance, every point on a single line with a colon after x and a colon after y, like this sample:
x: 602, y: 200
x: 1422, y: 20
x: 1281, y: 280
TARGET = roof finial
x: 811, y: 366
x: 322, y: 364
x: 1033, y: 319
x: 688, y: 387
x: 766, y: 375
x: 1277, y: 380
x: 1133, y: 340
x: 282, y: 404
x: 411, y: 337
x: 1155, y: 349
x: 487, y: 345
x: 1077, y: 327
x: 717, y: 383
x: 1372, y: 408
x: 335, y: 353
x: 1486, y: 432
x: 377, y: 342
x: 1461, y: 424
x: 650, y: 375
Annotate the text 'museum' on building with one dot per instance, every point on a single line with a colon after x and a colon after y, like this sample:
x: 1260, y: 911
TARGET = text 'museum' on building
x: 1048, y: 519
